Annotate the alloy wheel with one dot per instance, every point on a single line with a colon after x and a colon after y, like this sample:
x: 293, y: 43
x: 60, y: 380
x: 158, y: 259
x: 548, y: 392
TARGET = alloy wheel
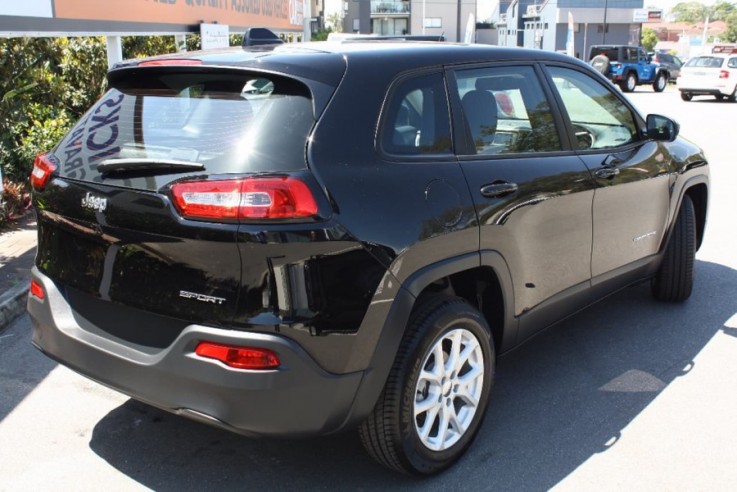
x: 448, y: 389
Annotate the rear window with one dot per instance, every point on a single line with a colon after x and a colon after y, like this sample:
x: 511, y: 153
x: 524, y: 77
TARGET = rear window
x: 610, y: 53
x: 705, y: 62
x: 229, y: 123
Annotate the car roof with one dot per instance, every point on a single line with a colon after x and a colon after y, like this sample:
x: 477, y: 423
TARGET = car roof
x: 326, y: 61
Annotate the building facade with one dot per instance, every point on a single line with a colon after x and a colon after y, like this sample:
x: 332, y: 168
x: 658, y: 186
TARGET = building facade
x: 448, y: 18
x: 543, y: 24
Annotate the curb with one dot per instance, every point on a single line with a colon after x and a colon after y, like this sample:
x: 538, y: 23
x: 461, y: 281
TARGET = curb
x: 12, y: 304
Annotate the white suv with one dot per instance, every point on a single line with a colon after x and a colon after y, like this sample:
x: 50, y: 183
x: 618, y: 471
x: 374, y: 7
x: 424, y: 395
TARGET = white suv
x: 709, y: 75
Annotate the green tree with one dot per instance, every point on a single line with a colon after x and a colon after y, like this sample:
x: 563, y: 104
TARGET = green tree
x: 335, y: 22
x: 722, y: 11
x: 45, y: 85
x: 689, y: 12
x: 730, y: 34
x: 649, y: 39
x: 693, y: 12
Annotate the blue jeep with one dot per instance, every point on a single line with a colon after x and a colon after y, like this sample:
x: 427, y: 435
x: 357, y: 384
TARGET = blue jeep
x: 628, y: 66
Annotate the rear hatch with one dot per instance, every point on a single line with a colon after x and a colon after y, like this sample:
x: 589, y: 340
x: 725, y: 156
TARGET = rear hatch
x: 132, y: 229
x: 703, y: 72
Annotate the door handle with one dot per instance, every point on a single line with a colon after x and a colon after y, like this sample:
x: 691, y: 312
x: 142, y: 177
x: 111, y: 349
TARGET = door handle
x: 608, y: 167
x: 611, y: 161
x: 498, y: 189
x: 606, y: 172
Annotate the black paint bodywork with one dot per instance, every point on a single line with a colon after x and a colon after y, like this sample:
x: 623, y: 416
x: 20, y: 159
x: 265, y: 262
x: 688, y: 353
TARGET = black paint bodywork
x: 339, y: 287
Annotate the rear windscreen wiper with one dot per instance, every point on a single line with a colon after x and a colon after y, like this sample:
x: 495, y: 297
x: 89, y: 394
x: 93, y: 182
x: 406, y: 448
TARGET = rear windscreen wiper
x: 149, y: 166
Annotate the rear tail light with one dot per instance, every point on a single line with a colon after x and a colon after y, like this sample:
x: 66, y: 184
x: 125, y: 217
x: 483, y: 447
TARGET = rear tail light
x: 723, y: 74
x: 43, y: 167
x: 239, y: 357
x: 37, y: 290
x: 249, y: 198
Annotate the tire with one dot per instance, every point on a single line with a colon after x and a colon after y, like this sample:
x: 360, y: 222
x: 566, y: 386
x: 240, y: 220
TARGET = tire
x: 686, y: 96
x: 629, y: 83
x: 601, y: 64
x: 733, y: 97
x: 719, y: 97
x: 409, y: 430
x: 674, y: 280
x: 661, y: 81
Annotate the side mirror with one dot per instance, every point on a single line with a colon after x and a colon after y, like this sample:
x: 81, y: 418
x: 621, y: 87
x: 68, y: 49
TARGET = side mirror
x: 662, y: 128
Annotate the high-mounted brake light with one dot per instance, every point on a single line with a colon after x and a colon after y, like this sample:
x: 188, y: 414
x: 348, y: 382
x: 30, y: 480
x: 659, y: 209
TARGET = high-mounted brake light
x: 41, y: 173
x: 170, y: 62
x: 281, y: 197
x: 723, y: 74
x: 36, y: 289
x: 239, y: 357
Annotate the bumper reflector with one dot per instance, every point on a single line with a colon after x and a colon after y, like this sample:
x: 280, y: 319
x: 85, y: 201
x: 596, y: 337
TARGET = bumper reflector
x: 239, y: 357
x: 36, y: 289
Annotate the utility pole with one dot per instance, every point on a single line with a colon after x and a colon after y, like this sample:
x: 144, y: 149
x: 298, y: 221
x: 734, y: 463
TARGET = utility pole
x: 458, y: 19
x: 603, y: 36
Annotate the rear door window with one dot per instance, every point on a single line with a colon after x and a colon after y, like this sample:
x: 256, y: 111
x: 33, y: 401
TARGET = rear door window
x: 505, y: 111
x: 229, y: 123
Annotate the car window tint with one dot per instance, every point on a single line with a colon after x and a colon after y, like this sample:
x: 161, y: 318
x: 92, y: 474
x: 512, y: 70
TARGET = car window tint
x: 599, y: 118
x: 506, y: 111
x: 417, y: 119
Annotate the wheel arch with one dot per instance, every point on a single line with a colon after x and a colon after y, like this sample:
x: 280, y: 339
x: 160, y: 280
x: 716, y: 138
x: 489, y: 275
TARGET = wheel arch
x: 483, y: 280
x: 699, y: 194
x: 492, y: 294
x: 697, y: 190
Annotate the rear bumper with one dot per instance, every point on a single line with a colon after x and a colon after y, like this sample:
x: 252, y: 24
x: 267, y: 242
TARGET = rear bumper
x: 297, y: 399
x: 707, y: 91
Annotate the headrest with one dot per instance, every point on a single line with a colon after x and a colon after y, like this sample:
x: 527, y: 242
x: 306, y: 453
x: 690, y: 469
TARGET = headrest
x: 502, y: 83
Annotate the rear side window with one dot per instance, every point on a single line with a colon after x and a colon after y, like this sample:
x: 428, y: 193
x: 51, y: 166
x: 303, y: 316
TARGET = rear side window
x: 417, y: 119
x: 732, y: 63
x: 229, y: 123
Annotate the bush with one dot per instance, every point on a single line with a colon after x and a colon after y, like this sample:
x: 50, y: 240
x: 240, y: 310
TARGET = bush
x: 46, y: 85
x: 321, y: 35
x: 15, y: 200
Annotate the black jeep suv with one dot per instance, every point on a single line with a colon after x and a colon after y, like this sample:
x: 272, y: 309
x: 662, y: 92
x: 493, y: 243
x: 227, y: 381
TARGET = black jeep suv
x: 304, y: 240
